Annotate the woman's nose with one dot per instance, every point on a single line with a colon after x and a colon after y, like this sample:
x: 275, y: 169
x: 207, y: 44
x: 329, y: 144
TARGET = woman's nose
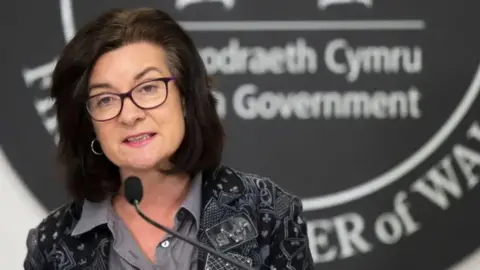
x: 130, y: 112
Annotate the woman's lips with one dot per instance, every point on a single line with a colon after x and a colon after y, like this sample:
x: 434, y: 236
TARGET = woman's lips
x: 138, y: 140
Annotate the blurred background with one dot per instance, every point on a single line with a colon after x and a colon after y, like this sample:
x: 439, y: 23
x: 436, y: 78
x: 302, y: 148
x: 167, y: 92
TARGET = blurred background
x: 366, y: 109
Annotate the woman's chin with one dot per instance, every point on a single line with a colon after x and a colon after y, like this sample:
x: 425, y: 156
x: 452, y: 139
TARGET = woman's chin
x: 142, y: 164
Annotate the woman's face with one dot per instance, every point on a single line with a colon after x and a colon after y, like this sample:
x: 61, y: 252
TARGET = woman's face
x: 137, y: 139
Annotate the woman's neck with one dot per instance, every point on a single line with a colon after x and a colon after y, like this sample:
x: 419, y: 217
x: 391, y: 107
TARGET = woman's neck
x: 161, y: 193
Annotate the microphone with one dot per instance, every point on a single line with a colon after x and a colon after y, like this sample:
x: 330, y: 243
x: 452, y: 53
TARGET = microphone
x: 133, y: 190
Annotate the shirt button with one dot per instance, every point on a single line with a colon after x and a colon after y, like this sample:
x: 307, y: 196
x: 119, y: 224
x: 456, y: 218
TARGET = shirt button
x: 165, y: 244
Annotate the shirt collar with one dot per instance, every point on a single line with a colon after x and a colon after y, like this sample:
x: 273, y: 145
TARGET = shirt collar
x: 93, y: 215
x: 96, y: 214
x: 193, y: 201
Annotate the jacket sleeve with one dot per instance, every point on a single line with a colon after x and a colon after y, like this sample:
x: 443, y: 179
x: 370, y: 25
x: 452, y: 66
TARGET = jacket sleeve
x: 34, y: 259
x: 289, y: 248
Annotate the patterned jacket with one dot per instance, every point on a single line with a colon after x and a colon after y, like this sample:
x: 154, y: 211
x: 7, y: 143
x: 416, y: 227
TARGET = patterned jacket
x: 264, y: 224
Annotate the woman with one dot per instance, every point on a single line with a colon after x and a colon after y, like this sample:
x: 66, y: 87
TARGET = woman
x: 133, y: 99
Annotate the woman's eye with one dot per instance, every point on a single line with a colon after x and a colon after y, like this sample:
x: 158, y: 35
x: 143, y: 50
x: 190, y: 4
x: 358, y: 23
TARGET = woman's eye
x: 103, y: 101
x: 149, y: 88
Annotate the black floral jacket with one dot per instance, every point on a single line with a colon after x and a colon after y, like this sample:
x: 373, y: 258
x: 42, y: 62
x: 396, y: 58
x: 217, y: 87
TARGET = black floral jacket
x: 266, y: 229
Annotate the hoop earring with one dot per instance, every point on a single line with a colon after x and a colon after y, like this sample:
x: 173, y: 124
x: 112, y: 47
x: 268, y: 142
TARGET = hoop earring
x: 93, y: 148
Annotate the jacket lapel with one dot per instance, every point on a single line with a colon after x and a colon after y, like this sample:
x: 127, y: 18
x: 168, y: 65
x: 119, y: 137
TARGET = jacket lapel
x: 89, y: 251
x: 226, y: 222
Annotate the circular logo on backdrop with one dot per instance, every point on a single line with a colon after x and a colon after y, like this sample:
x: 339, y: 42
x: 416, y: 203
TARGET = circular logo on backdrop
x: 366, y: 110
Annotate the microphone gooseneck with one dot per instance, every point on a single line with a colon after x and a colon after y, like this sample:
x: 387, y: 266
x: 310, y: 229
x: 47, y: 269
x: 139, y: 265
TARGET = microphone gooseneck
x: 134, y: 194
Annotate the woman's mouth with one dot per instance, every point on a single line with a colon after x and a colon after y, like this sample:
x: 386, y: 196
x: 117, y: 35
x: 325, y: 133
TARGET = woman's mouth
x: 139, y: 139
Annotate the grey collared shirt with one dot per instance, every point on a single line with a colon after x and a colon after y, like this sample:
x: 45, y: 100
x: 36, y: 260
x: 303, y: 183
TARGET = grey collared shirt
x: 171, y: 253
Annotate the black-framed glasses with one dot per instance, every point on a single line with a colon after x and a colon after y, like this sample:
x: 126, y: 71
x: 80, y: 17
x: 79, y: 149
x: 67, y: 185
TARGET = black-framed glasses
x: 147, y: 95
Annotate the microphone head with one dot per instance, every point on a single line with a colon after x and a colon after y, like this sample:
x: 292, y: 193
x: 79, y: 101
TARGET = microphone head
x: 133, y: 190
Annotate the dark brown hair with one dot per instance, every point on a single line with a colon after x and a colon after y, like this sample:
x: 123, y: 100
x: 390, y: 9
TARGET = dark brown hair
x: 93, y: 177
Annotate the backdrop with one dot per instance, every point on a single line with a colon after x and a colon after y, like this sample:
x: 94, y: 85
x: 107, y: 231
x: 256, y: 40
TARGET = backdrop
x: 368, y: 110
